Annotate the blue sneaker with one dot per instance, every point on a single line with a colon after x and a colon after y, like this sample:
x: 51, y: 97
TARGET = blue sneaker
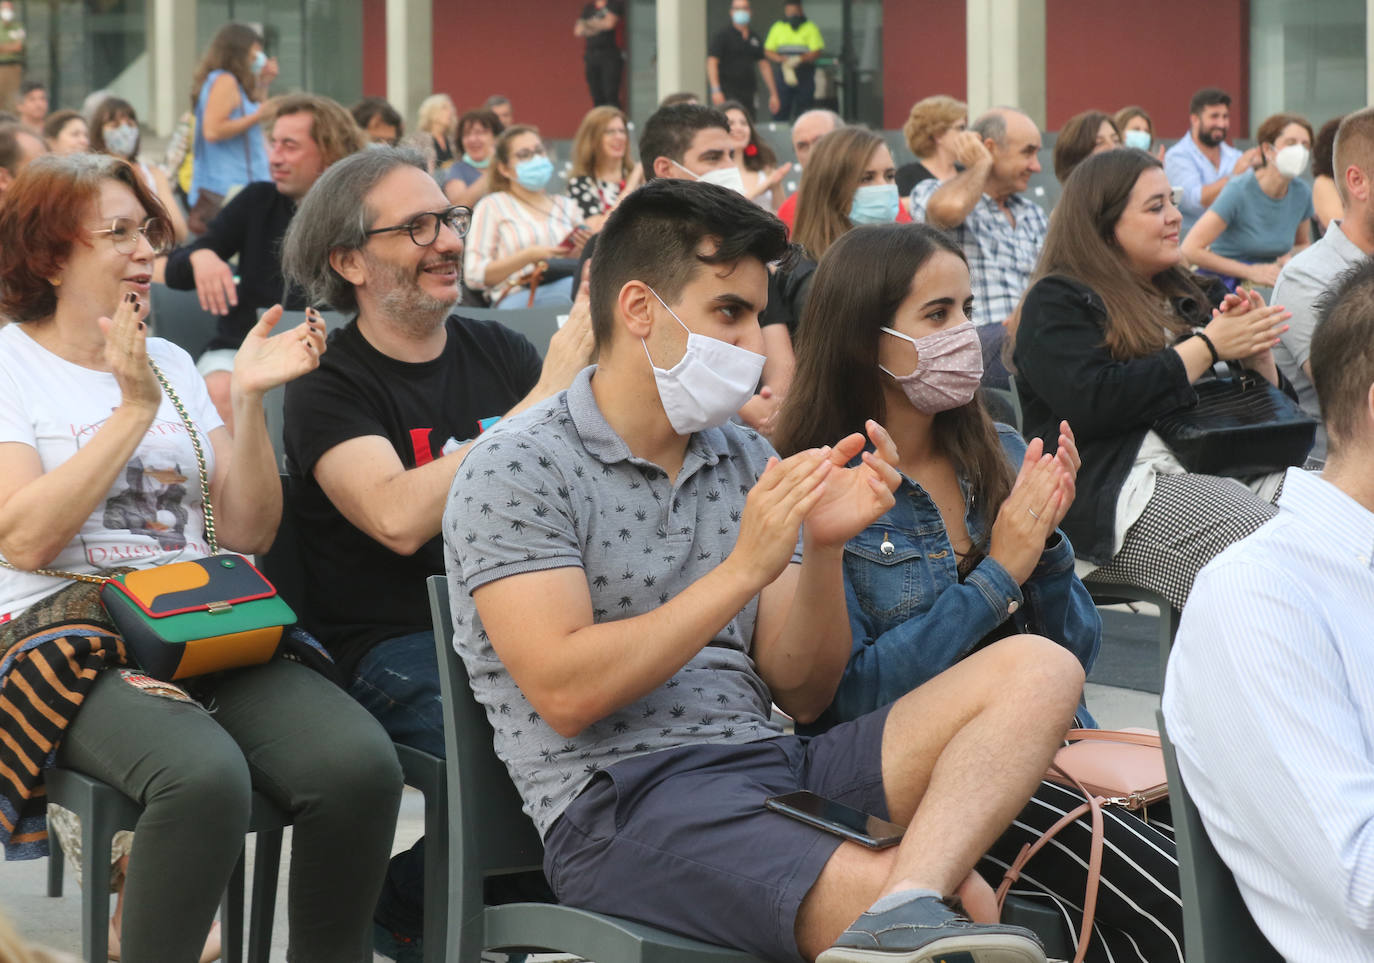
x: 925, y: 930
x: 397, y: 946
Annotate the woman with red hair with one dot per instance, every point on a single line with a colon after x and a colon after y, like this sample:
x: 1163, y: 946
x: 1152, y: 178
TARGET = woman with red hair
x: 108, y: 445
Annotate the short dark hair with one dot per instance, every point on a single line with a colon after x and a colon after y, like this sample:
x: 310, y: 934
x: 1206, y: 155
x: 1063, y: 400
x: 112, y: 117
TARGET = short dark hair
x: 10, y: 149
x: 1208, y: 97
x: 479, y: 117
x: 29, y: 86
x: 653, y: 236
x: 669, y: 131
x: 1342, y: 356
x: 1324, y: 149
x: 369, y: 107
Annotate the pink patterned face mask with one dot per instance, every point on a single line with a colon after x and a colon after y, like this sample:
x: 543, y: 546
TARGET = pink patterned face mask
x: 949, y: 367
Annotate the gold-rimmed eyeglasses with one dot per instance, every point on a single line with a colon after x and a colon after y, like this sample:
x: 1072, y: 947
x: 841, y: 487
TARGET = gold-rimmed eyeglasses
x: 125, y: 231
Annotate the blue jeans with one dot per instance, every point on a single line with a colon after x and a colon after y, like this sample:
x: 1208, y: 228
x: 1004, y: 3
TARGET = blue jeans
x: 555, y: 294
x: 398, y: 682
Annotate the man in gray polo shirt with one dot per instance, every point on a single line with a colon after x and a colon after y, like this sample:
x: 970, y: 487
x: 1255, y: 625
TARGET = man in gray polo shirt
x: 1306, y: 280
x: 630, y: 594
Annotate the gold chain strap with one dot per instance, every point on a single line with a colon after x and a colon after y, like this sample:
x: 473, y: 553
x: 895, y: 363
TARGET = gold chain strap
x: 204, y: 488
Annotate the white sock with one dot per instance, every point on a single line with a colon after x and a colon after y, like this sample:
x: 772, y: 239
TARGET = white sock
x: 903, y: 896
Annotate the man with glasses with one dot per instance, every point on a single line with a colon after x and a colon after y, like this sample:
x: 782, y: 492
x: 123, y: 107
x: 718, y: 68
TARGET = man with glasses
x: 307, y: 134
x: 375, y: 436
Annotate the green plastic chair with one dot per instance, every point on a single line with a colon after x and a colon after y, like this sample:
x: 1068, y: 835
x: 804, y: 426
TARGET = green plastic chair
x: 104, y: 811
x: 537, y: 324
x: 1112, y: 593
x: 490, y: 836
x: 1217, y: 925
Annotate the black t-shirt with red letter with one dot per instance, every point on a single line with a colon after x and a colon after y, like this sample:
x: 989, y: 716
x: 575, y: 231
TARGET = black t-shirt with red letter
x: 358, y: 592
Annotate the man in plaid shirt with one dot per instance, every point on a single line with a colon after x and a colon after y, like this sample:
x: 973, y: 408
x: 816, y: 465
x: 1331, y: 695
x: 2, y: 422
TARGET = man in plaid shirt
x: 1000, y: 231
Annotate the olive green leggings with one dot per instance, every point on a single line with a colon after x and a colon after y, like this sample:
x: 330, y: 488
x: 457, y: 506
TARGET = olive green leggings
x: 279, y: 728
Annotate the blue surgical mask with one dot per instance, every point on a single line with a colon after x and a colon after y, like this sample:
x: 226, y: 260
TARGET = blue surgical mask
x: 1139, y: 139
x: 123, y: 140
x: 481, y: 165
x: 534, y: 173
x: 741, y: 17
x: 259, y: 61
x: 874, y: 204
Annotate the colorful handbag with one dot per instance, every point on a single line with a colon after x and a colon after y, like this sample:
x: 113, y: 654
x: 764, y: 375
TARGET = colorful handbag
x: 189, y: 618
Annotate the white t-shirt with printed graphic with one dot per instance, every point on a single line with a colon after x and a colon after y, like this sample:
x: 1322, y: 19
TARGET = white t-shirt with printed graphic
x: 152, y: 514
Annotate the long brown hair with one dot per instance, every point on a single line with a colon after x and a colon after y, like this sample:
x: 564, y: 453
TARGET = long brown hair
x: 1081, y: 244
x: 1078, y: 139
x: 859, y: 284
x: 587, y: 141
x: 827, y: 191
x: 228, y: 50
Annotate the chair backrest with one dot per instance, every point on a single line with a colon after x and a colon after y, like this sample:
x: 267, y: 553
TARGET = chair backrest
x: 489, y: 833
x: 537, y: 324
x: 178, y: 317
x: 284, y: 562
x: 1217, y: 925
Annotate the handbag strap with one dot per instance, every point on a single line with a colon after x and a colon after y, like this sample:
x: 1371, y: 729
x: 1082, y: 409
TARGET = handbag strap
x: 1150, y: 739
x: 1093, y: 805
x: 204, y: 488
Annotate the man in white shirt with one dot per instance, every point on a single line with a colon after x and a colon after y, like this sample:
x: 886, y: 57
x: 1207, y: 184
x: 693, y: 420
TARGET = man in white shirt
x: 1306, y: 280
x: 1270, y: 689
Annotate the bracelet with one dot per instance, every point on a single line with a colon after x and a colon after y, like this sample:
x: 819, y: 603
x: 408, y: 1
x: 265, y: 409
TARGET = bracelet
x: 1216, y: 358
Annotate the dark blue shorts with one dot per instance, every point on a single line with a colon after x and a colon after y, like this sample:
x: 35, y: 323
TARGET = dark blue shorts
x: 680, y: 839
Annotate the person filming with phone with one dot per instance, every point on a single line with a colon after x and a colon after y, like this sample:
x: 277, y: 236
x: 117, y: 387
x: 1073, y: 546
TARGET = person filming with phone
x: 522, y: 236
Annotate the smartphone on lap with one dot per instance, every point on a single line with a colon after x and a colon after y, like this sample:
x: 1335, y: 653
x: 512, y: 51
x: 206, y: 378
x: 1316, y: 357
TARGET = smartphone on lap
x: 833, y: 817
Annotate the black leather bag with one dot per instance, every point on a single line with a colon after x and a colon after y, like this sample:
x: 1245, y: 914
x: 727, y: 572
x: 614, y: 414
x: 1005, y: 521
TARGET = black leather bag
x: 1241, y: 426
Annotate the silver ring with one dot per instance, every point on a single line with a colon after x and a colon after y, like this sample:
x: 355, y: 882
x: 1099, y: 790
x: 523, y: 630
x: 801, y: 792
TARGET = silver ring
x: 1032, y: 514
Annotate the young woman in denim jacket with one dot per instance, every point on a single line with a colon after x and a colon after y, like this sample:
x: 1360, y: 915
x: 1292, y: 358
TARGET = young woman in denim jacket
x: 969, y: 554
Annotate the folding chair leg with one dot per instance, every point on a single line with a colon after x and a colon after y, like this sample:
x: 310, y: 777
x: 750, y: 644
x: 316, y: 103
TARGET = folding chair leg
x: 97, y: 837
x: 231, y: 915
x: 436, y: 873
x: 55, y: 860
x: 266, y: 865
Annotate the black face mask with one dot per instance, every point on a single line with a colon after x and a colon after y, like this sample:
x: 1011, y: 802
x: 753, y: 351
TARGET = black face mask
x: 796, y: 21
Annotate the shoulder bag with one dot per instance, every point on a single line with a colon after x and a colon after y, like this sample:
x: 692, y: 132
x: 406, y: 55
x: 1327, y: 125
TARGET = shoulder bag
x: 1121, y: 767
x: 189, y: 618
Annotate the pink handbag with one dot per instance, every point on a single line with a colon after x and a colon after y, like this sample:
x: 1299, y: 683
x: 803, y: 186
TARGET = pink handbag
x: 1109, y: 767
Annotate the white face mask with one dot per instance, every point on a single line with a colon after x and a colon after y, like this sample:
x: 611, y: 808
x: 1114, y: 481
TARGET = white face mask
x: 711, y: 382
x: 726, y: 177
x: 1292, y: 160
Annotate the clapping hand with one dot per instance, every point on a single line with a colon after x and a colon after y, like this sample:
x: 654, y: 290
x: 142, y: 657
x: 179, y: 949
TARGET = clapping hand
x: 1044, y: 490
x: 266, y: 360
x: 854, y: 497
x: 126, y: 352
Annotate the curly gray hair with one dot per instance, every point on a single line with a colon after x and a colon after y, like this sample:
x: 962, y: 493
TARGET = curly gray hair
x: 334, y: 216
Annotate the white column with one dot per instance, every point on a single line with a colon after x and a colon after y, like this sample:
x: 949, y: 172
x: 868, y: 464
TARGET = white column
x: 409, y: 54
x: 172, y: 56
x: 1369, y: 51
x: 681, y: 47
x: 1006, y: 56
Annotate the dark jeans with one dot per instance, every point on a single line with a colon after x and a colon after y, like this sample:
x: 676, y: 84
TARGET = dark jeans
x: 795, y: 101
x: 398, y: 682
x: 280, y: 728
x: 603, y: 78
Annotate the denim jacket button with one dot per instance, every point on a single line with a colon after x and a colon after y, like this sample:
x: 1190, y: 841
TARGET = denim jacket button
x: 1012, y: 606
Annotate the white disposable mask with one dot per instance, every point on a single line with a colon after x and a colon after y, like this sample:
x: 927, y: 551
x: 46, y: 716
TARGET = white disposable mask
x: 726, y: 177
x: 711, y: 382
x: 1292, y: 160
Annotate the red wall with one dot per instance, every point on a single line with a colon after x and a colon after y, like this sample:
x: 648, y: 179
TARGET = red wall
x: 374, y: 50
x: 925, y: 52
x: 524, y: 49
x: 1108, y: 54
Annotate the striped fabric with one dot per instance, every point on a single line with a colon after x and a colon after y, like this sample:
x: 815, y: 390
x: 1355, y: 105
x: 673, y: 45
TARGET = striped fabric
x: 1139, y: 916
x: 1270, y: 702
x: 502, y: 225
x: 44, y: 678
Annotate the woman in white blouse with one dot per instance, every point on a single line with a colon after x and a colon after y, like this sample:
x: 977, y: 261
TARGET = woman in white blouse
x: 521, y: 234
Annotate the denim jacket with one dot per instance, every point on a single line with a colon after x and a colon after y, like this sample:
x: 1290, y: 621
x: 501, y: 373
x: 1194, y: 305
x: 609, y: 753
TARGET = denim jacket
x: 912, y: 618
